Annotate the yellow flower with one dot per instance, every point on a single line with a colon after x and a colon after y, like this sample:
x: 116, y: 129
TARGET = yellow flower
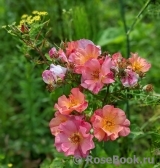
x: 10, y: 164
x: 36, y: 18
x: 24, y: 16
x: 35, y: 12
x: 22, y: 22
x: 42, y: 13
x: 29, y: 20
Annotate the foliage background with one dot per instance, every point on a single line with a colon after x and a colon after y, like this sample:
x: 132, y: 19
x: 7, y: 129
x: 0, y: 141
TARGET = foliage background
x: 26, y: 107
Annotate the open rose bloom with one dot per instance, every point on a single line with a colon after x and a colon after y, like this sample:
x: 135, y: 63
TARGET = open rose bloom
x: 138, y: 64
x: 82, y: 64
x: 95, y: 75
x: 130, y: 78
x: 82, y: 53
x: 55, y: 73
x: 76, y: 101
x: 74, y: 138
x: 118, y: 62
x: 109, y: 123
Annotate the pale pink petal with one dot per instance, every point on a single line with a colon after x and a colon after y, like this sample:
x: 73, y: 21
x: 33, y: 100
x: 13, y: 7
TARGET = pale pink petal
x: 106, y: 66
x: 68, y: 127
x: 52, y: 52
x: 58, y: 147
x: 130, y: 79
x: 48, y: 77
x: 58, y: 71
x: 76, y: 93
x: 108, y: 110
x: 92, y: 64
x: 93, y: 50
x: 61, y: 138
x: 87, y: 144
x: 78, y: 153
x: 55, y: 123
x: 82, y: 107
x: 69, y: 148
x: 97, y: 87
x: 126, y: 123
x: 63, y: 101
x: 99, y: 134
x: 62, y: 56
x: 120, y: 117
x: 109, y: 78
x: 83, y: 43
x: 124, y: 132
x: 113, y: 137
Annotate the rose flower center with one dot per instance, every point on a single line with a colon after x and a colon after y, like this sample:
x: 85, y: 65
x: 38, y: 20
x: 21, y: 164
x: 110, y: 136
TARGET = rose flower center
x: 95, y: 75
x: 73, y: 101
x: 108, y: 124
x: 75, y: 138
x: 137, y: 66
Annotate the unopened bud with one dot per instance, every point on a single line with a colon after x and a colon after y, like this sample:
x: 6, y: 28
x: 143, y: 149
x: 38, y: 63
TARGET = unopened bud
x: 50, y: 87
x: 24, y: 28
x: 52, y: 52
x: 148, y: 88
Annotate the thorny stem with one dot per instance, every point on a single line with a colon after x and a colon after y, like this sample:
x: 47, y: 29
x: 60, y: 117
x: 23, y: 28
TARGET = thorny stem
x: 139, y: 14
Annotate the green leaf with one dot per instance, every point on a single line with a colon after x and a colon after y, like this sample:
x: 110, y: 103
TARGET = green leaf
x: 45, y: 164
x: 157, y: 165
x: 113, y: 35
x: 111, y: 148
x: 81, y: 23
x: 135, y: 131
x: 35, y: 29
x: 58, y: 163
x: 48, y: 57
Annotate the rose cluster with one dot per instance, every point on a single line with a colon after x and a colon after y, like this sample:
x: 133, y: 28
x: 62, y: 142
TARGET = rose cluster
x: 73, y: 131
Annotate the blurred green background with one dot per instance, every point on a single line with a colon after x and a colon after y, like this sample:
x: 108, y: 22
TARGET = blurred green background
x: 25, y: 106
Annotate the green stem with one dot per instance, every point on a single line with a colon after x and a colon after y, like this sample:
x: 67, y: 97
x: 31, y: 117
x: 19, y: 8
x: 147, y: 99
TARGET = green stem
x: 41, y: 54
x: 137, y: 17
x: 125, y: 26
x: 128, y: 109
x: 127, y: 31
x: 84, y: 164
x: 35, y: 48
x: 105, y: 98
x: 127, y: 47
